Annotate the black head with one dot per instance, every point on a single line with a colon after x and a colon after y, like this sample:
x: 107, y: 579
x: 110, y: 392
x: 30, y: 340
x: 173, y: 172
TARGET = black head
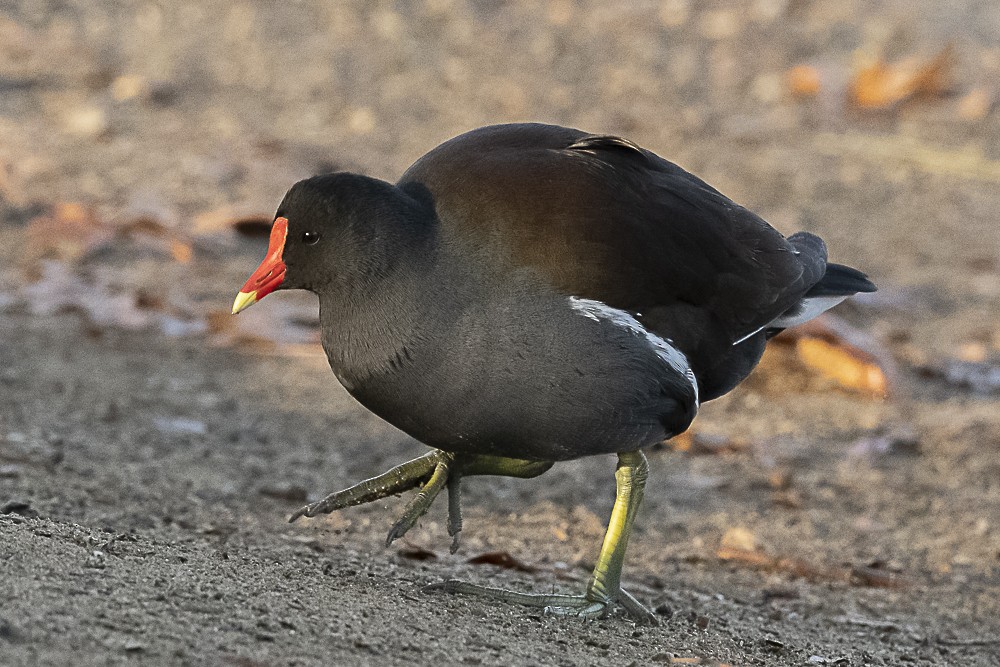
x: 338, y: 232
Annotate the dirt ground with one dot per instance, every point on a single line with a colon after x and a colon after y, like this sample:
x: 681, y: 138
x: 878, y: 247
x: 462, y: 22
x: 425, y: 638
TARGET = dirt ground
x: 151, y: 450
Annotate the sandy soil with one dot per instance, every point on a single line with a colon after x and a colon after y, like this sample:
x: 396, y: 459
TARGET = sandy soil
x: 150, y: 454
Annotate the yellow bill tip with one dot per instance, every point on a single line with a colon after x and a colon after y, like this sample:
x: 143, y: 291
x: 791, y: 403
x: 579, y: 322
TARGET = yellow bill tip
x: 244, y: 300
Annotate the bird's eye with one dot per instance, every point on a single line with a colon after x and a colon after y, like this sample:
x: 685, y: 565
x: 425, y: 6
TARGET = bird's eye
x: 310, y: 238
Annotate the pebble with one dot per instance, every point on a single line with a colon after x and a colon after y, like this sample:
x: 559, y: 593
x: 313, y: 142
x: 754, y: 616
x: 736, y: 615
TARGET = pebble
x: 88, y: 122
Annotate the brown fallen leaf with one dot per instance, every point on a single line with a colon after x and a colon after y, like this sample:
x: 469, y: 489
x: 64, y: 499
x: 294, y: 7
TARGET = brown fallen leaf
x: 762, y: 561
x: 243, y: 221
x: 501, y: 559
x: 857, y: 575
x: 848, y: 366
x: 803, y: 81
x: 740, y: 539
x: 67, y: 232
x: 877, y: 577
x: 976, y: 104
x: 704, y: 444
x: 415, y: 552
x: 59, y: 290
x: 853, y: 358
x: 878, y: 85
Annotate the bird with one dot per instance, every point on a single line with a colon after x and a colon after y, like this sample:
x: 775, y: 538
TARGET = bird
x: 527, y: 294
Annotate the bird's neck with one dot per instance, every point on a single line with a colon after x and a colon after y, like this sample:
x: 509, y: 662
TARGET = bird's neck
x: 375, y: 332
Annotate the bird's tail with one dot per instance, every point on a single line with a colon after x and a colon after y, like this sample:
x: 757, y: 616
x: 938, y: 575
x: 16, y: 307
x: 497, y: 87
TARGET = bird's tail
x: 840, y: 280
x: 838, y: 283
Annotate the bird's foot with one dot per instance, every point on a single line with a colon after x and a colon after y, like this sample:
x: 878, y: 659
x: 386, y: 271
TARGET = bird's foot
x: 422, y: 502
x: 432, y: 472
x: 589, y: 606
x: 397, y: 480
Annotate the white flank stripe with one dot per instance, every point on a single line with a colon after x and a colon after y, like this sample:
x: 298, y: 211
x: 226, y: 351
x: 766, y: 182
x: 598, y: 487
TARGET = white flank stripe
x: 803, y: 312
x: 808, y: 309
x: 599, y: 311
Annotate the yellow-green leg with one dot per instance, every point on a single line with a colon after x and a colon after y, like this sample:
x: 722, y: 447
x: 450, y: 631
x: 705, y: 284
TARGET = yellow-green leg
x: 604, y: 588
x: 397, y: 480
x: 432, y: 472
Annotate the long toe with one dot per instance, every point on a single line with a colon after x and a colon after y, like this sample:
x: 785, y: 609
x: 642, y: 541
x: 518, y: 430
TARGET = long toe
x: 581, y: 606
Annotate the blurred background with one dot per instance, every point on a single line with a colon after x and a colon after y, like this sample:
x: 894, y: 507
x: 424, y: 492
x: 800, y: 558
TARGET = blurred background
x: 853, y: 118
x: 843, y: 503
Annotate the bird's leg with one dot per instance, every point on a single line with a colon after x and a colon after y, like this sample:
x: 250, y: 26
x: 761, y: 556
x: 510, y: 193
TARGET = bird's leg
x: 433, y: 471
x: 468, y: 466
x: 423, y: 500
x: 401, y: 478
x: 605, y: 584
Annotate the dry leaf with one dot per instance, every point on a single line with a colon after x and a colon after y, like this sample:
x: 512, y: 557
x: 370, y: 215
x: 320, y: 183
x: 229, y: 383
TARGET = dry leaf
x: 876, y: 577
x: 739, y: 538
x: 858, y: 575
x: 849, y: 367
x: 803, y: 81
x: 242, y: 221
x: 501, y: 559
x: 976, y: 105
x: 878, y: 85
x: 181, y: 251
x: 705, y: 443
x: 67, y: 233
x: 762, y: 561
x: 973, y: 351
x: 414, y: 552
x: 60, y: 290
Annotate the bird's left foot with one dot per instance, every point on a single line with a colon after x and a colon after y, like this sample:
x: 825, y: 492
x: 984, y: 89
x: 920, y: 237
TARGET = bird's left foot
x: 589, y: 606
x: 432, y: 472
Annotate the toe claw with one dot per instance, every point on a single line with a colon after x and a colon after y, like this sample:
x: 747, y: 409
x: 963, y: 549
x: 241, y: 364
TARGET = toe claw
x: 301, y: 512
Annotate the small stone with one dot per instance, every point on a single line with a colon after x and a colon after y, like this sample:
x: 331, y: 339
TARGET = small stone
x: 97, y: 560
x: 719, y: 24
x: 127, y: 87
x: 361, y: 121
x: 22, y: 507
x: 8, y: 632
x: 10, y: 471
x: 674, y: 13
x: 180, y: 425
x: 86, y: 122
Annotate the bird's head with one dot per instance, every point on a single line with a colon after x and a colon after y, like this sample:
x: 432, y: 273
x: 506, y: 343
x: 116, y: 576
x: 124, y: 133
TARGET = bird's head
x: 342, y: 229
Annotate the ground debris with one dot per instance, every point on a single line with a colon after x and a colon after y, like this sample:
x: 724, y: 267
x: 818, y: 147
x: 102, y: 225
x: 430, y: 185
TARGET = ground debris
x: 706, y: 444
x: 979, y: 377
x: 502, y: 559
x: 245, y: 222
x: 897, y: 441
x: 288, y: 327
x: 416, y: 552
x: 733, y: 551
x: 879, y: 85
x: 852, y: 358
x: 804, y: 81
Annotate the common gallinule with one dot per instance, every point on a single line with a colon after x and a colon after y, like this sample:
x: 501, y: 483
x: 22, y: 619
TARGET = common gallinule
x: 527, y: 294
